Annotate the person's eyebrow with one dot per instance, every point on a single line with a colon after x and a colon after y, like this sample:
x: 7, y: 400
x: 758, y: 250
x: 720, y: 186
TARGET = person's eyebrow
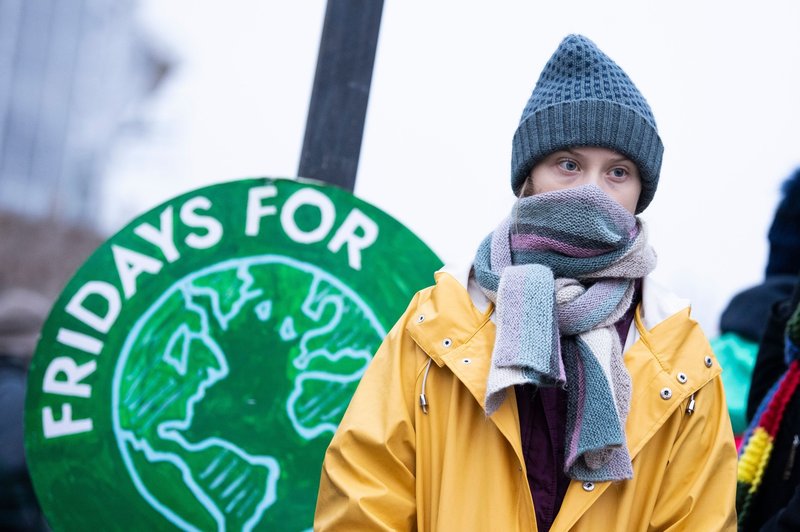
x: 619, y: 158
x: 622, y: 158
x: 569, y: 151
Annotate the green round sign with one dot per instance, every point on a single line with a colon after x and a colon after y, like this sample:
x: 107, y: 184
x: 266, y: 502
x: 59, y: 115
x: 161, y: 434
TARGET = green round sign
x: 193, y: 371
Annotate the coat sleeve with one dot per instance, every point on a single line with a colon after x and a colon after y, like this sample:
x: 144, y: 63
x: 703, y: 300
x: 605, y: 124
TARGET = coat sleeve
x: 698, y: 491
x: 368, y: 474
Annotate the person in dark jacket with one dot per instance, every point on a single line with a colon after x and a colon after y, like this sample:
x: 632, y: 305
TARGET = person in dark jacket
x: 746, y: 317
x: 22, y: 313
x: 768, y: 491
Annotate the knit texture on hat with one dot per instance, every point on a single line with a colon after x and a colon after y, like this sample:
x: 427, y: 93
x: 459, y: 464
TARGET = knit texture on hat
x: 583, y: 98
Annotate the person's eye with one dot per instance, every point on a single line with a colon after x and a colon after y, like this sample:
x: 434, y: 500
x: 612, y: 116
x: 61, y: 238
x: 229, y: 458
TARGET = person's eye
x: 568, y: 164
x: 619, y: 173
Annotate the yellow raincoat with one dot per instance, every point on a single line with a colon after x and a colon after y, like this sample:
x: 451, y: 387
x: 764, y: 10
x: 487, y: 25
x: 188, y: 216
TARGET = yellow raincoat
x: 392, y: 466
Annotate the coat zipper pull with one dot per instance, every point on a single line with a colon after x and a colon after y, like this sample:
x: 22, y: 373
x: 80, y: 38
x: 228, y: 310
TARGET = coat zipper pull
x: 790, y: 462
x: 690, y: 406
x: 423, y: 401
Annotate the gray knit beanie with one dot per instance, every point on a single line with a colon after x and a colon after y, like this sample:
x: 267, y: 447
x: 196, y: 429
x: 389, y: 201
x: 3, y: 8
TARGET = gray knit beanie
x: 583, y: 98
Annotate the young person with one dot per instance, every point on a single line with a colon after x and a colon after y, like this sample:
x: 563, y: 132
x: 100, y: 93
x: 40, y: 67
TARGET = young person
x: 553, y: 386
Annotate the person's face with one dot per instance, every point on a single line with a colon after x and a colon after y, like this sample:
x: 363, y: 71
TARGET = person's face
x: 615, y: 174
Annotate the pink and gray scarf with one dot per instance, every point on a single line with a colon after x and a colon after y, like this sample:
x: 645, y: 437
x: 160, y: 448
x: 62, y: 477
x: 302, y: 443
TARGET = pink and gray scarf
x: 561, y: 271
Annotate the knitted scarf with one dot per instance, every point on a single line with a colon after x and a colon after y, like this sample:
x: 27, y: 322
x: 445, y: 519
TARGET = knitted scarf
x: 561, y: 271
x: 755, y: 453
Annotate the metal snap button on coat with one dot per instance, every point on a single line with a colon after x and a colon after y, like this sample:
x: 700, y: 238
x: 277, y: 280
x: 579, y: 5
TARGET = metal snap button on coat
x: 682, y: 378
x: 466, y: 361
x: 708, y: 361
x: 666, y: 393
x: 447, y: 342
x: 588, y: 486
x: 420, y: 318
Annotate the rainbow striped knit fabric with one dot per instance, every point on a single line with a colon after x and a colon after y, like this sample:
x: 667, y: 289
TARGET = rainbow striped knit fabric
x: 756, y: 451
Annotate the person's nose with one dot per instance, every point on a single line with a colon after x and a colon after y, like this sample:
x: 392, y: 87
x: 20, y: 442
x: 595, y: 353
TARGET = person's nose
x: 594, y: 177
x: 598, y: 179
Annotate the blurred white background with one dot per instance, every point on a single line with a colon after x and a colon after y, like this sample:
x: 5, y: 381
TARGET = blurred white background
x: 450, y: 81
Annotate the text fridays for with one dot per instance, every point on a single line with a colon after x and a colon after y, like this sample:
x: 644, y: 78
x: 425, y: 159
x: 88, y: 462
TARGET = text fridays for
x: 66, y: 378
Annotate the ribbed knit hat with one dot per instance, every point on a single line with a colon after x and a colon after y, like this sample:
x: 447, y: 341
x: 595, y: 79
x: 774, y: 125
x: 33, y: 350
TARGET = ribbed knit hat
x: 582, y: 98
x: 784, y: 233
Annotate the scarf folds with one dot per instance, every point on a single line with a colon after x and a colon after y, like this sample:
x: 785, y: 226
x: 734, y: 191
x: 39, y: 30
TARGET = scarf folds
x: 561, y: 271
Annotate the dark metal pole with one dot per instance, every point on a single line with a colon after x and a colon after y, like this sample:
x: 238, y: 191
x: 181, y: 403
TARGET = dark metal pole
x: 335, y: 123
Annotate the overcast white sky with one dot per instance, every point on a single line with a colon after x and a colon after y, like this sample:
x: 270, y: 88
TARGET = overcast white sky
x: 451, y: 78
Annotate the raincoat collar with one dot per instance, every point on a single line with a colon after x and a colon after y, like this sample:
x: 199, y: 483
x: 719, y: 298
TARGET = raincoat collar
x: 455, y: 329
